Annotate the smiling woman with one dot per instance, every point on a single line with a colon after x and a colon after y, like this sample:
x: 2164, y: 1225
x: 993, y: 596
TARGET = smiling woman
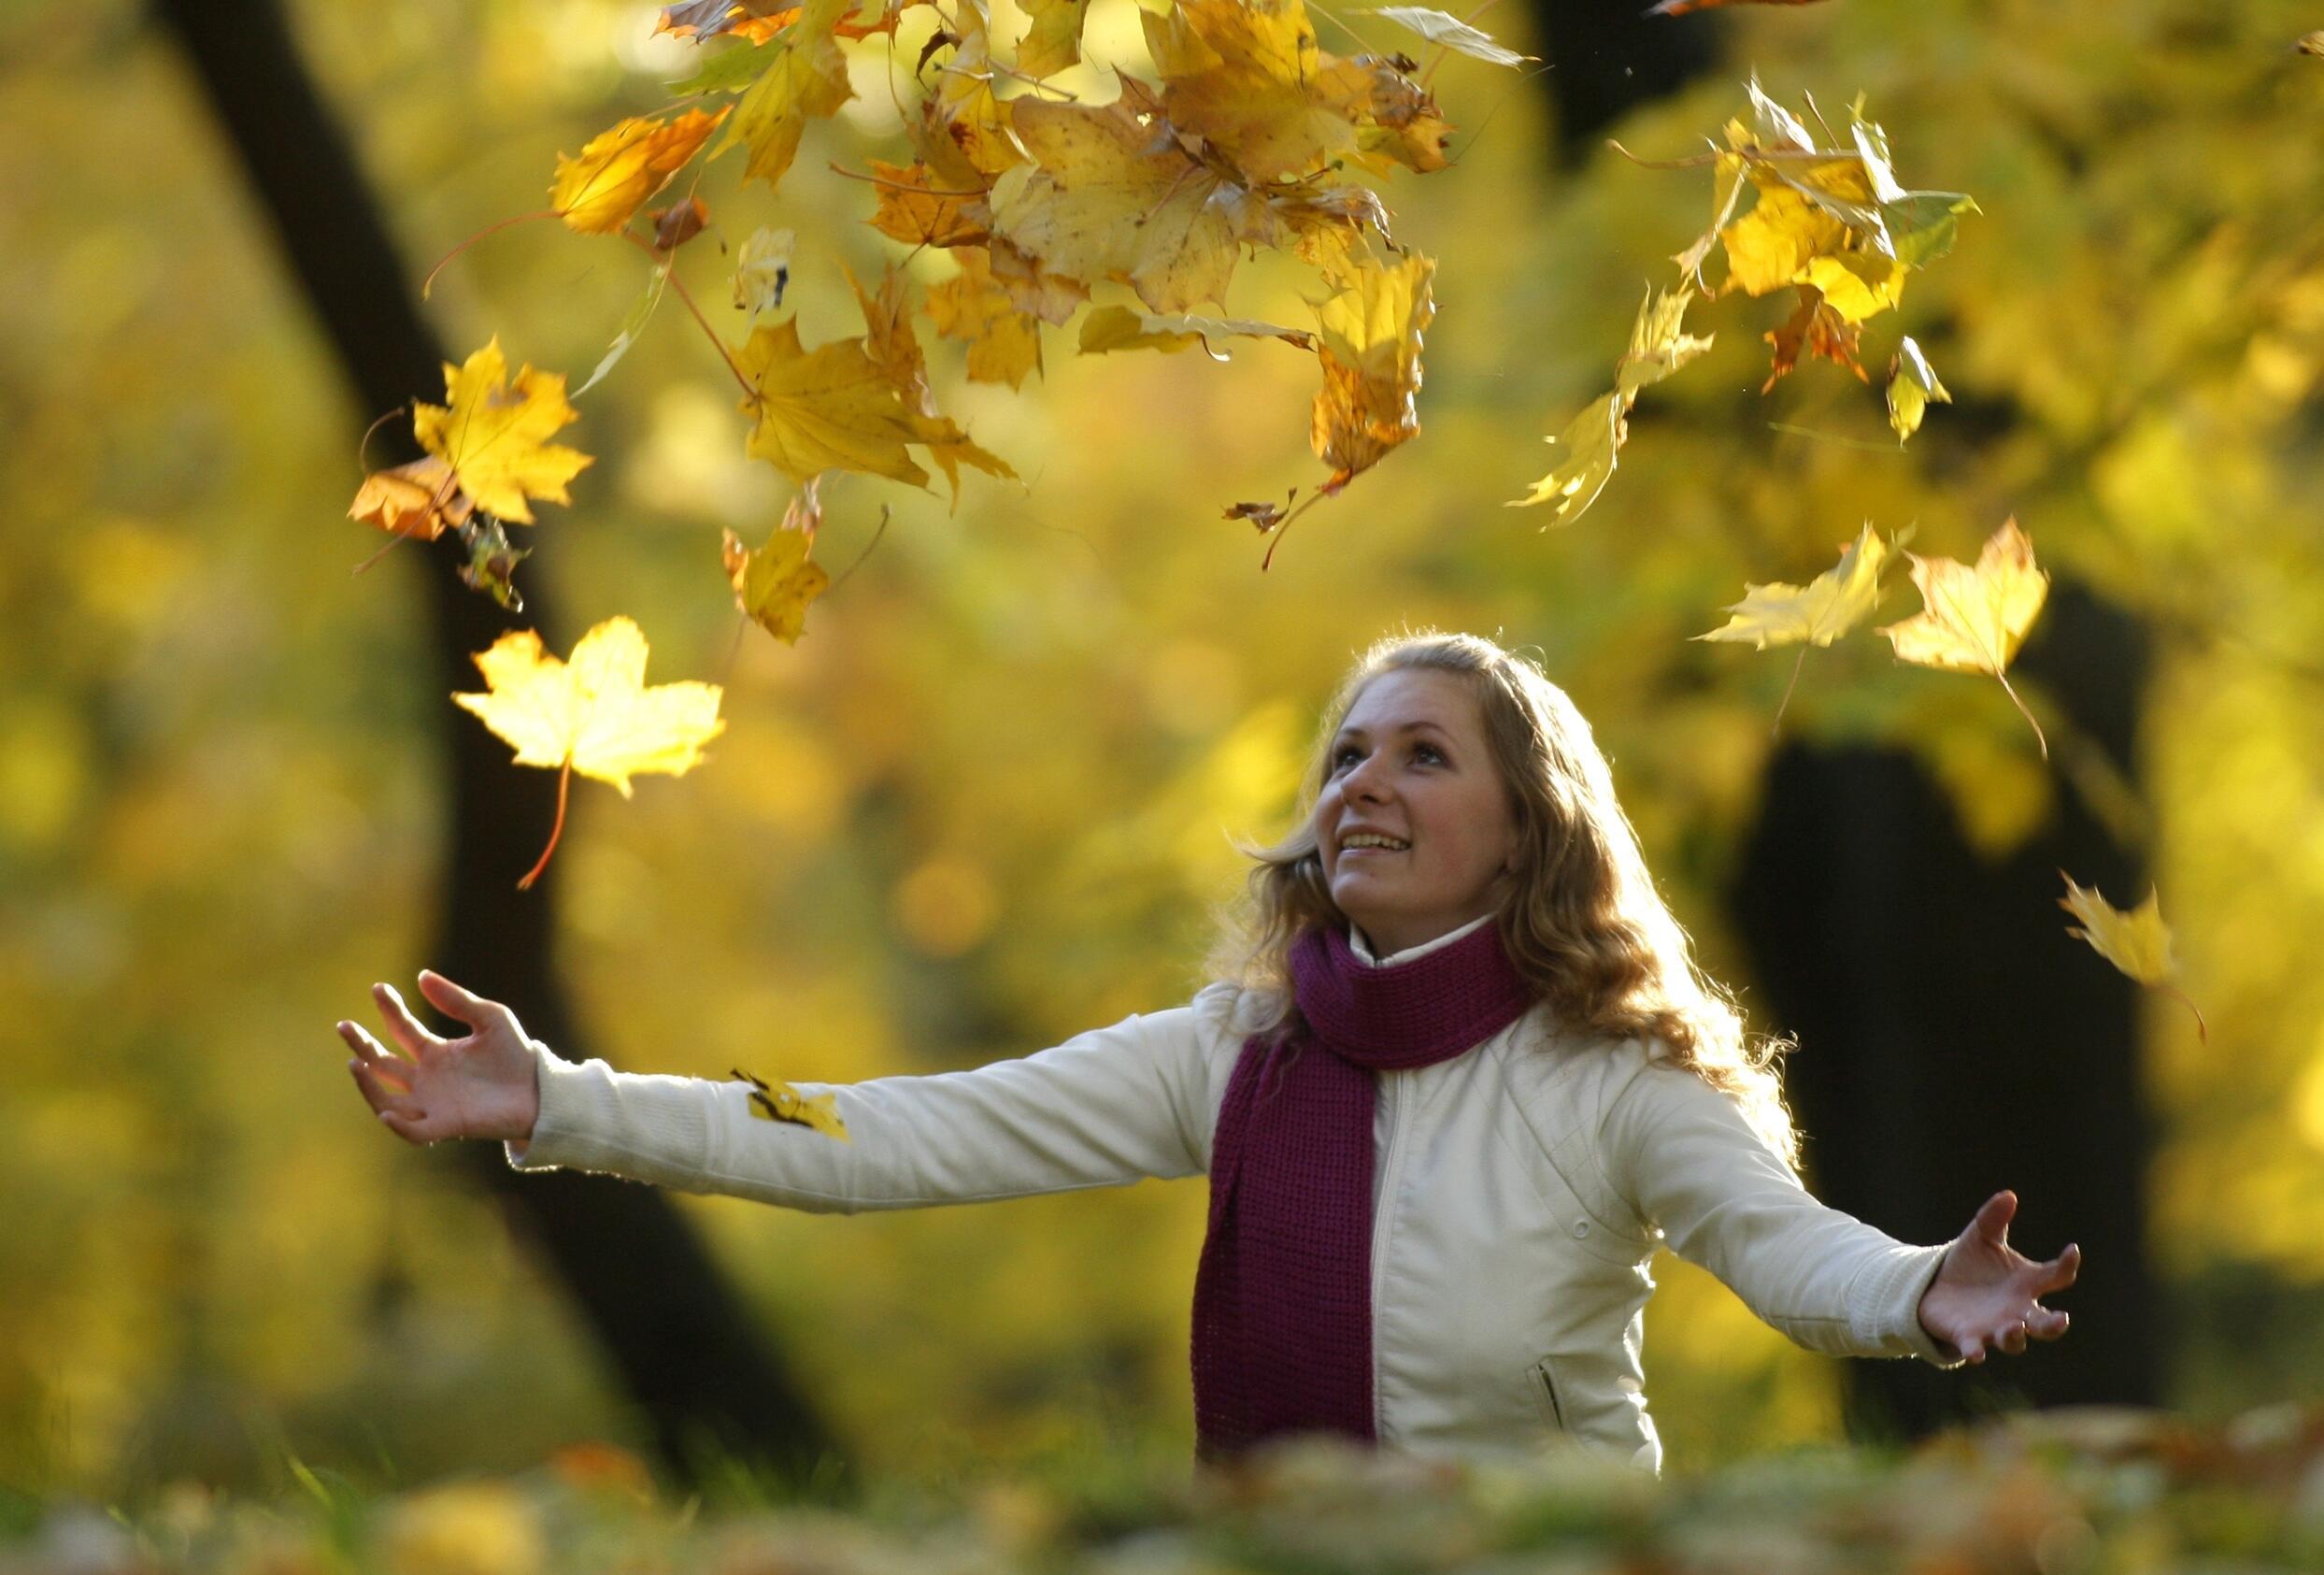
x: 1434, y: 1231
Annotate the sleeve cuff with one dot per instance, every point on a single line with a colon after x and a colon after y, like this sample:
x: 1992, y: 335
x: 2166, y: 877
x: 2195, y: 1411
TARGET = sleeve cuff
x: 566, y: 1090
x: 1883, y: 1305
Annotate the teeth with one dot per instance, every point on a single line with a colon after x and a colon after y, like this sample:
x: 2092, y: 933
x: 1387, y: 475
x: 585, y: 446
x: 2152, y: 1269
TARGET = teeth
x: 1367, y: 840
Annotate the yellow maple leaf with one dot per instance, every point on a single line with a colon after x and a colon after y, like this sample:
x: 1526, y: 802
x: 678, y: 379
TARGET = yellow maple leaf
x: 421, y: 498
x: 1592, y: 440
x: 1110, y: 200
x: 594, y: 714
x: 1813, y: 614
x: 964, y: 112
x: 1004, y: 342
x: 617, y: 171
x: 2137, y: 942
x: 1371, y: 331
x: 1591, y: 443
x: 780, y: 1101
x: 774, y: 584
x: 1973, y: 618
x: 1112, y: 328
x: 1912, y: 386
x: 807, y: 78
x: 494, y: 433
x: 915, y: 208
x: 1053, y: 41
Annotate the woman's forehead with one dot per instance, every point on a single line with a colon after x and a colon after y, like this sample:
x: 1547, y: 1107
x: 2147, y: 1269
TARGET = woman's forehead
x: 1408, y: 698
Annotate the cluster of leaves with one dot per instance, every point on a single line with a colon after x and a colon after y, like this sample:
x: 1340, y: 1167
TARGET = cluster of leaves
x: 1038, y: 197
x: 2085, y: 1490
x: 1828, y: 222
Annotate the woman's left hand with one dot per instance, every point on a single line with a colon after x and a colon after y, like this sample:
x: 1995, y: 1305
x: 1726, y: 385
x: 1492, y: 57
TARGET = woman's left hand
x: 1984, y: 1294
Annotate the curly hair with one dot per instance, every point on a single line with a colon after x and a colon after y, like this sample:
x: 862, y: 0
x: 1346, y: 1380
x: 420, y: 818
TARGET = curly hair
x: 1584, y: 925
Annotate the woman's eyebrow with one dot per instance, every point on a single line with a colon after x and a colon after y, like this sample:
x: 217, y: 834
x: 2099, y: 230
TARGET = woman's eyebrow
x: 1400, y: 727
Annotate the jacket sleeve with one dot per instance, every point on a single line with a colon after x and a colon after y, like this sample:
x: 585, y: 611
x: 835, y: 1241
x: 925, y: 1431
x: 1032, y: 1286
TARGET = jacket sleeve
x: 1104, y: 1109
x: 1689, y: 1161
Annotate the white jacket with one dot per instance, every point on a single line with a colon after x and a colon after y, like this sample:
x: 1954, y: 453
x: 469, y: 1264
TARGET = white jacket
x: 1519, y: 1190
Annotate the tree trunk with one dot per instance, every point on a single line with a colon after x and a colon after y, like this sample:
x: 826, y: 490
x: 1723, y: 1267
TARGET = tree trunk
x: 1954, y: 1039
x: 683, y: 1344
x: 1606, y: 57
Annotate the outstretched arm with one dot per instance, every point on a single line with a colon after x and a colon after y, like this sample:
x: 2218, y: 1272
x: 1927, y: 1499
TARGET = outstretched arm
x: 1104, y: 1109
x: 1987, y: 1295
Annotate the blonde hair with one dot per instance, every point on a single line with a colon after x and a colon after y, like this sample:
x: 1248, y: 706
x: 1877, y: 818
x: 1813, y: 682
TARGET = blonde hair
x: 1584, y: 924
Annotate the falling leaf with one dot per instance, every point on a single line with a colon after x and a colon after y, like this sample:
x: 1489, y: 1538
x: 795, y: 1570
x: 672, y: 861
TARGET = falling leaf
x: 1111, y: 201
x: 491, y: 560
x: 1372, y: 331
x: 807, y: 78
x: 2311, y: 43
x: 1973, y: 619
x: 632, y: 326
x: 964, y: 113
x: 1814, y: 614
x: 1053, y: 41
x: 1267, y: 516
x: 707, y: 19
x: 595, y: 715
x: 2137, y: 942
x: 1592, y: 440
x: 598, y: 191
x: 421, y: 499
x: 762, y: 272
x: 780, y: 1101
x: 1590, y: 443
x: 1003, y: 343
x: 1912, y: 384
x: 1438, y: 28
x: 914, y: 209
x: 1112, y: 328
x: 1814, y: 328
x: 1659, y: 344
x: 494, y: 433
x: 677, y: 224
x: 774, y: 584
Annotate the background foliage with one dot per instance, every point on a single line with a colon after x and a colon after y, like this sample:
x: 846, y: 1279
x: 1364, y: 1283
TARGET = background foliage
x: 985, y: 802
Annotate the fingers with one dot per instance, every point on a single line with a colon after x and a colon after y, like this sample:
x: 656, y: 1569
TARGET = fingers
x: 1993, y: 1218
x: 371, y: 1058
x: 417, y: 1041
x: 385, y: 1084
x: 2062, y: 1268
x: 454, y: 1001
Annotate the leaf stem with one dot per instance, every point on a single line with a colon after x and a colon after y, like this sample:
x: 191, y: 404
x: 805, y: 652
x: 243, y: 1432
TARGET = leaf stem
x: 2202, y: 1032
x: 684, y: 295
x: 564, y: 781
x: 1788, y: 687
x: 2027, y: 714
x: 1285, y: 523
x: 428, y: 284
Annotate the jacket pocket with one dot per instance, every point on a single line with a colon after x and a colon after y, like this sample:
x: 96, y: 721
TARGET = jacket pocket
x: 1543, y: 1384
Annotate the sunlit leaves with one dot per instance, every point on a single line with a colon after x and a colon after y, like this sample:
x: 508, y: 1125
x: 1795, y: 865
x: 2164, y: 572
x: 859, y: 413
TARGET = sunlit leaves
x: 598, y: 191
x: 1912, y: 386
x: 762, y: 272
x: 915, y: 210
x: 2137, y: 942
x: 1814, y: 614
x: 1973, y: 617
x: 1112, y: 328
x: 806, y: 77
x: 594, y: 714
x: 421, y: 498
x: 1451, y: 32
x: 1004, y: 342
x: 1112, y: 201
x: 1589, y: 448
x: 774, y: 585
x: 494, y: 433
x: 1371, y: 333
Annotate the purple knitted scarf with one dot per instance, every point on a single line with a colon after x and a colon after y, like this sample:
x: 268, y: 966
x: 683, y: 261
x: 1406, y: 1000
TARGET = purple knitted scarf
x: 1283, y: 1296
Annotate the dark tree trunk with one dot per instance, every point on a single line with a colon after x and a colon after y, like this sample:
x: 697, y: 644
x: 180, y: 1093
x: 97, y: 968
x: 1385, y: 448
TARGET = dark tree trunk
x: 1954, y: 1039
x: 1606, y: 57
x: 683, y: 1344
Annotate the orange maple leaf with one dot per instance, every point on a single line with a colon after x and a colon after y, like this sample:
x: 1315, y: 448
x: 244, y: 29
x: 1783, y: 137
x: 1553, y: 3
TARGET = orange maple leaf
x: 618, y: 171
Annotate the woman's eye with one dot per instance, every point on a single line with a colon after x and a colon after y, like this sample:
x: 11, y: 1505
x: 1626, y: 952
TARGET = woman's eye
x: 1432, y: 749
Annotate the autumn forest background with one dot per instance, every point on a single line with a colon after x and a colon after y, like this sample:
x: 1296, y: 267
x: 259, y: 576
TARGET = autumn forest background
x: 986, y: 801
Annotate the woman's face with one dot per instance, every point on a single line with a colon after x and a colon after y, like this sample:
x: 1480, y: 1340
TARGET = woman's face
x: 1411, y: 764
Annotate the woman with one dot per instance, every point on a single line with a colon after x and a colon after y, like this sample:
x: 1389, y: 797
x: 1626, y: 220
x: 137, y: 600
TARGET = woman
x: 1458, y: 1081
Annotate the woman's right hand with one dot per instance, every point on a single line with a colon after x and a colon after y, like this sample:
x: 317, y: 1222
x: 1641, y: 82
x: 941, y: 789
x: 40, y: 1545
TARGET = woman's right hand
x: 479, y: 1086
